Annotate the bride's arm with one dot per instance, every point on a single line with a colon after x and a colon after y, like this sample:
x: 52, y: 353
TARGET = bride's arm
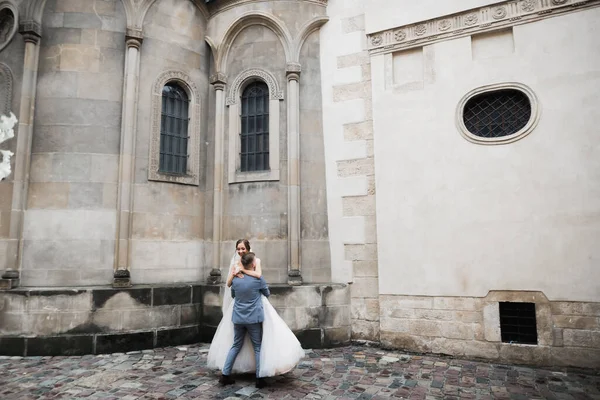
x: 231, y: 275
x: 257, y: 273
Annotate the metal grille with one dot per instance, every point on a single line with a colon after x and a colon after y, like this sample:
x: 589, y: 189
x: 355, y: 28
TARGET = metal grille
x: 497, y: 114
x: 174, y: 130
x: 254, y: 138
x: 517, y: 323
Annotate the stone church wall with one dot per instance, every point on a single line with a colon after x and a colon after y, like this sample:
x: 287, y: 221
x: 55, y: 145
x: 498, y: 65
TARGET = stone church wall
x: 70, y: 222
x: 315, y: 256
x: 168, y: 220
x: 258, y: 210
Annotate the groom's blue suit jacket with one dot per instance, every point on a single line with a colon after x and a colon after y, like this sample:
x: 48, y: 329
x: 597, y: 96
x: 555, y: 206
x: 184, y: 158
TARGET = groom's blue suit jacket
x: 248, y: 307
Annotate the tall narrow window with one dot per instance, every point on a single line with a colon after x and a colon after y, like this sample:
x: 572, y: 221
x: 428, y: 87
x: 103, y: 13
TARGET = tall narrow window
x: 254, y: 155
x: 174, y: 130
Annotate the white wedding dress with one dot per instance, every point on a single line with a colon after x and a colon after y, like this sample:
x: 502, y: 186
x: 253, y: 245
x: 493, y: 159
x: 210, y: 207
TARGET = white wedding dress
x: 280, y: 349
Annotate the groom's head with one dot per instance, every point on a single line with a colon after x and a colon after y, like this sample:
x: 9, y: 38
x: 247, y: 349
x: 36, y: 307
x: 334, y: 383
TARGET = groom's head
x: 248, y: 260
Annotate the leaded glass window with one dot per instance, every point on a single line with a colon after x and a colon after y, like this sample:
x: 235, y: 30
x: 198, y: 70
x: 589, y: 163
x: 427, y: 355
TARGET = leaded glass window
x: 254, y: 154
x: 174, y: 136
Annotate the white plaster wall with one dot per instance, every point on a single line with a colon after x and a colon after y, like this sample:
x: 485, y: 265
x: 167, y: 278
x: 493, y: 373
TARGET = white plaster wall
x: 456, y: 218
x: 336, y: 43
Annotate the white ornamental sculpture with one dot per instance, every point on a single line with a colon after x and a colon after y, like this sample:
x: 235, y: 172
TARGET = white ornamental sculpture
x: 6, y: 132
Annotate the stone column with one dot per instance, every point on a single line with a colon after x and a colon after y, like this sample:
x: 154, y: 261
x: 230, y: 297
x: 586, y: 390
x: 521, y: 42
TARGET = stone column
x: 293, y: 139
x: 32, y: 33
x: 122, y: 277
x: 218, y: 81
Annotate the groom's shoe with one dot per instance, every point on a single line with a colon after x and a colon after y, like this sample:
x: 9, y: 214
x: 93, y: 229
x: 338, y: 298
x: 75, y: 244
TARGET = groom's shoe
x: 260, y: 383
x: 226, y: 380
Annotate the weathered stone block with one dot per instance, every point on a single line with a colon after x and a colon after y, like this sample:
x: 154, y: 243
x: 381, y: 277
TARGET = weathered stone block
x: 439, y: 315
x: 457, y: 330
x: 394, y: 325
x: 48, y: 195
x: 576, y: 322
x: 172, y: 295
x: 358, y: 206
x: 82, y: 20
x: 339, y: 336
x: 364, y: 287
x: 404, y: 341
x: 352, y: 60
x: 365, y: 330
x: 569, y: 356
x: 406, y: 302
x: 457, y: 303
x: 336, y: 316
x: 358, y: 131
x: 581, y: 338
x: 526, y: 354
x: 491, y: 322
x: 361, y: 166
x: 360, y: 252
x: 61, y: 302
x: 61, y: 345
x: 336, y: 295
x: 124, y: 342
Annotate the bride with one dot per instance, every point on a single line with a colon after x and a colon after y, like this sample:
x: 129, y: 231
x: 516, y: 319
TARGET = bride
x: 280, y: 349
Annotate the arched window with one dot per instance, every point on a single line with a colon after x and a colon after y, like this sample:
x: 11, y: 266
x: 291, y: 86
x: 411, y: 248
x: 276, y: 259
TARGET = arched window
x: 174, y: 135
x: 254, y: 154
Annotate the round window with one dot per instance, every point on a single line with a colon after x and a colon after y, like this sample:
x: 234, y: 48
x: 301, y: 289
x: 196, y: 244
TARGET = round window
x: 499, y: 114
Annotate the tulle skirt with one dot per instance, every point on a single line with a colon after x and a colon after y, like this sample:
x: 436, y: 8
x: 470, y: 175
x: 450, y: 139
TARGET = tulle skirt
x: 280, y: 349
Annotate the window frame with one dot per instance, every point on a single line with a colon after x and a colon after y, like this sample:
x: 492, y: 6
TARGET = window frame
x: 235, y: 175
x: 178, y: 134
x: 192, y: 175
x: 521, y: 133
x: 255, y: 135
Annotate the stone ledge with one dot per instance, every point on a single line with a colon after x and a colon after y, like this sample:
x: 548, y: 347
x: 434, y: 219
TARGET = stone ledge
x: 94, y: 320
x: 76, y: 345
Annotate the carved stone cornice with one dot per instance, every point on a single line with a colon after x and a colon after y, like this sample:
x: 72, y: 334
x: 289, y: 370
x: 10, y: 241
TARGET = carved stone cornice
x: 31, y: 31
x: 476, y: 20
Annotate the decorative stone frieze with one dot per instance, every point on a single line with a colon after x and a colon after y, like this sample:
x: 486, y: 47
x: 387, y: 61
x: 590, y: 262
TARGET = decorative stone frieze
x: 477, y: 20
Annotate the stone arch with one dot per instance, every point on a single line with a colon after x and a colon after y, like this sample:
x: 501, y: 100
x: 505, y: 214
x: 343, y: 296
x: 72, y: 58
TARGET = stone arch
x: 249, y: 19
x: 235, y: 89
x: 6, y: 36
x: 304, y: 32
x: 187, y: 83
x: 6, y: 82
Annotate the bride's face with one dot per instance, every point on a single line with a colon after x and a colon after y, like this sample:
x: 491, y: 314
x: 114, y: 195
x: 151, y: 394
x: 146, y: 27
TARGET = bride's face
x: 241, y: 249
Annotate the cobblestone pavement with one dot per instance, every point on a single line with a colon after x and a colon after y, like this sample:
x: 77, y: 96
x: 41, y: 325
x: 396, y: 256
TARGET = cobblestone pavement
x: 342, y: 373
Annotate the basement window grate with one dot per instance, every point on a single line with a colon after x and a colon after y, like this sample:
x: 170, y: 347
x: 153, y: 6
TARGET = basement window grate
x: 517, y: 323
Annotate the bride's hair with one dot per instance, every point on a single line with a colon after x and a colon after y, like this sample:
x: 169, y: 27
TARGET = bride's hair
x: 246, y: 243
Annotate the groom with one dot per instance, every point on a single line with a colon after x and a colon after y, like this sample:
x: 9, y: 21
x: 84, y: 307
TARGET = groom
x: 248, y: 315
